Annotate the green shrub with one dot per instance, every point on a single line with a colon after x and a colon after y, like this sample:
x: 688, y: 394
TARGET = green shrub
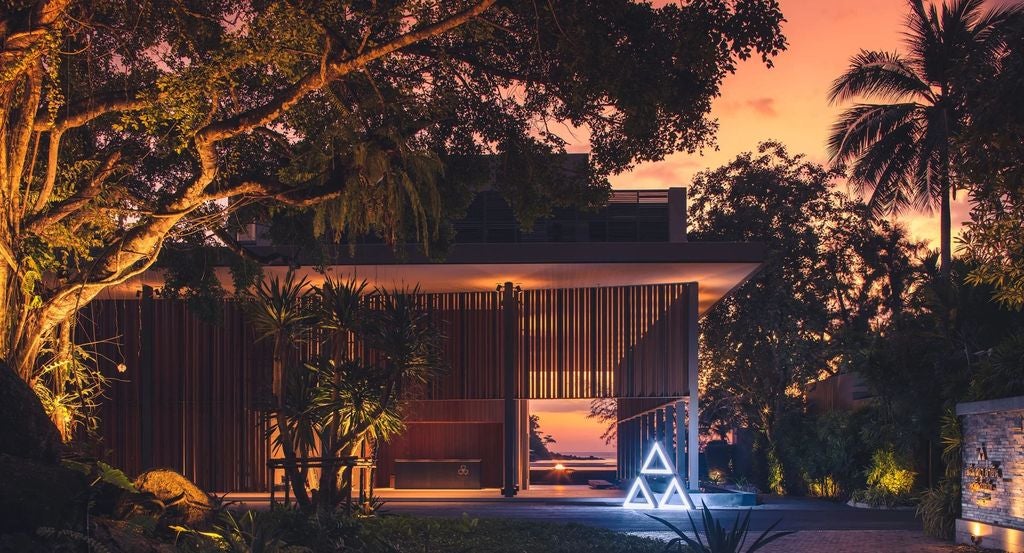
x: 940, y: 506
x: 416, y: 534
x: 823, y: 455
x: 889, y: 480
x: 890, y: 473
x: 291, y: 531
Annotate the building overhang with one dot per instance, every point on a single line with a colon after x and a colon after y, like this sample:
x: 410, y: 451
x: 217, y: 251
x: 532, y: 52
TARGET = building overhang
x: 718, y: 267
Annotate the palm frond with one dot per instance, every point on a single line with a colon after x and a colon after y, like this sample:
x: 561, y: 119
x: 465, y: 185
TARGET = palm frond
x: 865, y: 124
x: 340, y: 303
x: 277, y: 308
x: 887, y: 167
x: 885, y: 75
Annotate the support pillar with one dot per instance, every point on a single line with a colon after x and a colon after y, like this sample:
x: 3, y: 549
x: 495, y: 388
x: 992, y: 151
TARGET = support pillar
x: 659, y: 427
x: 680, y: 457
x: 147, y: 342
x: 668, y: 436
x: 693, y: 405
x: 509, y: 340
x: 645, y: 433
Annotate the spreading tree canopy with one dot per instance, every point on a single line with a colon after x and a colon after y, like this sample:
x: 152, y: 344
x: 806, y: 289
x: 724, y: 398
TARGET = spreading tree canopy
x: 127, y: 124
x: 831, y: 274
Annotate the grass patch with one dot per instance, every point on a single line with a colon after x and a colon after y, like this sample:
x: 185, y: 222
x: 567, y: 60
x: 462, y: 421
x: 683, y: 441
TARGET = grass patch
x: 417, y: 534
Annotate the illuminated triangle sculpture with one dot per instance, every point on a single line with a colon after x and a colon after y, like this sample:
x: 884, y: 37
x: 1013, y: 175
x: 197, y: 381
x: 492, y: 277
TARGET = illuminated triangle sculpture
x: 640, y: 487
x: 640, y: 495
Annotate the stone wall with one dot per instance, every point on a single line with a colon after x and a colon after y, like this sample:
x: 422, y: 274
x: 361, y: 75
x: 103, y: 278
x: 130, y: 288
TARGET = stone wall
x: 993, y: 476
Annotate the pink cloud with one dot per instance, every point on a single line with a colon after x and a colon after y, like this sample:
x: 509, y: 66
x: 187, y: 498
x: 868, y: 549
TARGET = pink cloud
x: 763, y: 106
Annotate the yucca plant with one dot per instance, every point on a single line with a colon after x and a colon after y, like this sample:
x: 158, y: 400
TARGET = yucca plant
x: 361, y: 399
x: 279, y: 312
x: 370, y: 348
x: 719, y: 540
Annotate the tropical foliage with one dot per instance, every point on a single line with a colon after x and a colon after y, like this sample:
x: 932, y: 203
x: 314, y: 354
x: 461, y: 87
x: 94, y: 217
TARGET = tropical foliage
x: 992, y: 160
x: 126, y: 125
x: 902, y: 148
x: 940, y: 506
x: 831, y: 274
x: 373, y: 350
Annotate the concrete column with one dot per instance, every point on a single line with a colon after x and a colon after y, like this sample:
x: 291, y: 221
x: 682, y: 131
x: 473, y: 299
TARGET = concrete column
x: 669, y: 435
x: 648, y: 434
x: 510, y: 320
x: 659, y: 427
x: 693, y: 405
x: 680, y: 457
x: 147, y: 356
x: 676, y: 214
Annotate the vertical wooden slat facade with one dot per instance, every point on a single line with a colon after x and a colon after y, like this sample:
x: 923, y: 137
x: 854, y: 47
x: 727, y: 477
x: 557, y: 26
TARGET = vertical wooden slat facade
x: 207, y: 383
x: 209, y: 379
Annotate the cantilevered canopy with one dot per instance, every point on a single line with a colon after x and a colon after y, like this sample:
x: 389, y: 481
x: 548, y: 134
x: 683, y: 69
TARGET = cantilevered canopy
x: 716, y: 267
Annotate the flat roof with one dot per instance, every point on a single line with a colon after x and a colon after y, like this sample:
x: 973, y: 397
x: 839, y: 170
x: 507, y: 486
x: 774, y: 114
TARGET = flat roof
x: 718, y: 267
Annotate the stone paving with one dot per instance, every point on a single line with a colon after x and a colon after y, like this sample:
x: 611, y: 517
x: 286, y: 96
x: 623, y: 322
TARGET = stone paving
x: 845, y: 541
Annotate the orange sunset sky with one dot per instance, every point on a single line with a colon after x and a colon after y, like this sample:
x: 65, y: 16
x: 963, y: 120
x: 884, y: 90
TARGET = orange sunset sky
x: 787, y: 103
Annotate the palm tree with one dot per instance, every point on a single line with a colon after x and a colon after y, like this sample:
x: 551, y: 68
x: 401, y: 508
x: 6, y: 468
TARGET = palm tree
x: 900, y: 147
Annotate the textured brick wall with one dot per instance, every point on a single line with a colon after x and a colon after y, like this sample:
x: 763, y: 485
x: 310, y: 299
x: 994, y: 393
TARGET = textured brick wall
x: 1001, y: 437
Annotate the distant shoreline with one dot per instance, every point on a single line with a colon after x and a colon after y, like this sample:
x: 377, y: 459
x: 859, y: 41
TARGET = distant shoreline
x: 581, y: 456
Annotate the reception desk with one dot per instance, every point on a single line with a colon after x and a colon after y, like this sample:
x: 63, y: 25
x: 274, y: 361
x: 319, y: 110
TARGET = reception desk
x: 437, y: 473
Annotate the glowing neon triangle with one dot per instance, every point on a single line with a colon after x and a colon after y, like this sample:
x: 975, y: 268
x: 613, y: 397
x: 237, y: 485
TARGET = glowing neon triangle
x: 639, y: 486
x: 675, y: 490
x: 667, y: 467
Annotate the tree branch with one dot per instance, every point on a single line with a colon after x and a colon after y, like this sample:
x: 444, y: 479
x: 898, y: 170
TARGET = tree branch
x: 22, y: 136
x: 238, y: 249
x: 97, y: 107
x: 59, y: 211
x: 266, y: 113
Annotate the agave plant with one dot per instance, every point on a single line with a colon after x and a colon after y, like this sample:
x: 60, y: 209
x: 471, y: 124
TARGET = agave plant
x: 719, y: 540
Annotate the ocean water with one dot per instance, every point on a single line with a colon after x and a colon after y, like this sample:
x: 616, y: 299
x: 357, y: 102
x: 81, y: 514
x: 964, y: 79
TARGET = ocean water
x: 604, y: 459
x: 609, y: 455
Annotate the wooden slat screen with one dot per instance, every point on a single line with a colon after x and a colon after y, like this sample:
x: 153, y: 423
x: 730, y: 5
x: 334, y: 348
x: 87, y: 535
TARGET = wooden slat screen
x: 605, y: 342
x: 207, y: 383
x: 209, y: 379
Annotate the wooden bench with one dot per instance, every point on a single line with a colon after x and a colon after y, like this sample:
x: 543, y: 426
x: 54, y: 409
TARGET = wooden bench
x: 600, y: 484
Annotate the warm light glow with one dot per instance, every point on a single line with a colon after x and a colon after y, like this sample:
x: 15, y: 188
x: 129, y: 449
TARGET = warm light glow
x: 559, y: 466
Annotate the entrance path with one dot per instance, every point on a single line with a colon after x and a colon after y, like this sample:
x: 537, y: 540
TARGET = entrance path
x: 821, y: 526
x: 844, y: 541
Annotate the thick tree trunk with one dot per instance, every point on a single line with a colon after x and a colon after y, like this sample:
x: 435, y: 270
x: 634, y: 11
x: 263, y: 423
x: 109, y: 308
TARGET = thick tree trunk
x: 945, y: 220
x: 26, y: 431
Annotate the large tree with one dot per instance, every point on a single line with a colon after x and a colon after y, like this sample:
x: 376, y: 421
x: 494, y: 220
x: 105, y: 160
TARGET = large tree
x: 901, y: 146
x: 991, y: 156
x: 830, y: 274
x: 127, y: 124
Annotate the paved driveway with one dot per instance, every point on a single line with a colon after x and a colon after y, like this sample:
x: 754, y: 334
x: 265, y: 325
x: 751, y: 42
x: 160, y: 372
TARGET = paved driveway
x: 821, y: 526
x: 795, y: 514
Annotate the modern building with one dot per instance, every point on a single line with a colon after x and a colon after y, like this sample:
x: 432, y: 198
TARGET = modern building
x: 600, y: 304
